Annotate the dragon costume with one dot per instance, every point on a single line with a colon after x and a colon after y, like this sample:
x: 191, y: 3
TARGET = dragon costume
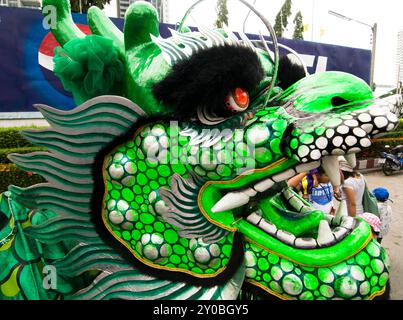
x: 169, y: 180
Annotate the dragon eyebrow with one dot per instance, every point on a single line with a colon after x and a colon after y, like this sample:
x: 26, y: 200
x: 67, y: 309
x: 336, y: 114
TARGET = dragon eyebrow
x: 183, y: 45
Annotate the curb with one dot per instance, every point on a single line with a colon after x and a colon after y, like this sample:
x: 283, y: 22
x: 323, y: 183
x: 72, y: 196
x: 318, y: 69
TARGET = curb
x: 369, y: 164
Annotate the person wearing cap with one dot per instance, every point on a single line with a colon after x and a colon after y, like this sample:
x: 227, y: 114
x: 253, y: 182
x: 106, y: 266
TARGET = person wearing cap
x: 353, y: 188
x: 385, y: 210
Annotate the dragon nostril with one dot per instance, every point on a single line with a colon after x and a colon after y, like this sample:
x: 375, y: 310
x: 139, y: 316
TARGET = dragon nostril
x: 339, y: 101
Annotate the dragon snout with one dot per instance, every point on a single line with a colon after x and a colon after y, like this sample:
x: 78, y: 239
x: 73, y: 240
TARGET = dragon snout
x: 328, y: 136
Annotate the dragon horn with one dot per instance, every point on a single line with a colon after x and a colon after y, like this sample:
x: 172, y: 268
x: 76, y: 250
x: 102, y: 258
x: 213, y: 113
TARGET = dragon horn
x: 64, y: 29
x: 101, y: 25
x: 141, y: 21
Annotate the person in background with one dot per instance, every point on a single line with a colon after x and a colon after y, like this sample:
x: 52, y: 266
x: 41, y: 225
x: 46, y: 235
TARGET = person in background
x: 304, y: 182
x: 315, y: 187
x: 385, y: 210
x: 353, y: 188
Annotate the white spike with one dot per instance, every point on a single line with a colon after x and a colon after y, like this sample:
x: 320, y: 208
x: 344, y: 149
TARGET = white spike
x: 348, y: 223
x: 307, y: 166
x: 341, y: 212
x: 331, y: 166
x: 264, y: 185
x: 351, y: 159
x: 232, y: 38
x: 330, y: 219
x: 254, y: 218
x: 246, y: 41
x: 325, y: 235
x: 231, y: 201
x: 285, y: 237
x: 250, y: 192
x: 267, y: 227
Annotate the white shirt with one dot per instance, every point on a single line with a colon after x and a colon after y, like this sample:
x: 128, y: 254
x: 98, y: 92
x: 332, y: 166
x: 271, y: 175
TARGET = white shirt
x: 358, y: 185
x: 321, y: 197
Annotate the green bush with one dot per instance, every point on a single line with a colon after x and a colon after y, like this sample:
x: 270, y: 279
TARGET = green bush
x: 18, y: 177
x: 11, y: 141
x: 5, y: 152
x: 11, y: 138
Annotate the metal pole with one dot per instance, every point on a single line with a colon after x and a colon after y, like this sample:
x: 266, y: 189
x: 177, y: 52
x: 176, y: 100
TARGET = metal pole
x: 313, y: 14
x: 246, y: 19
x: 118, y: 8
x: 373, y: 54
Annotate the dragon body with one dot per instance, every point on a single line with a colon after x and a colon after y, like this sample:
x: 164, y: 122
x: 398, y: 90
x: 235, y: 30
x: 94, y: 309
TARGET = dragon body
x: 141, y: 204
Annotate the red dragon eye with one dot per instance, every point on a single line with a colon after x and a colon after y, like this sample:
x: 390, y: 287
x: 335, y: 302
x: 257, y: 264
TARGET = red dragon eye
x: 241, y: 97
x: 238, y: 100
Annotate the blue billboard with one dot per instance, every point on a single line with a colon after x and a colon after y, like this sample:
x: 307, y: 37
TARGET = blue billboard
x: 27, y: 49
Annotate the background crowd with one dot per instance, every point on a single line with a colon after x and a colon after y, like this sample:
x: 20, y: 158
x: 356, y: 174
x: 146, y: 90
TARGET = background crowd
x: 373, y: 206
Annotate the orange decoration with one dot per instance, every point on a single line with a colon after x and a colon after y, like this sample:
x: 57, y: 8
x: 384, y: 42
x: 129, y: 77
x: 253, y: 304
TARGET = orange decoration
x: 241, y: 97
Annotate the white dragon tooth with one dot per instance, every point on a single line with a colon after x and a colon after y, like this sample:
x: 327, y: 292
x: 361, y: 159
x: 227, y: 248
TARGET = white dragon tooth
x: 296, y: 204
x: 325, y: 235
x: 351, y: 159
x: 339, y: 233
x: 348, y: 223
x: 285, y: 237
x: 331, y: 166
x: 330, y: 219
x: 341, y: 212
x: 254, y: 218
x: 305, y: 243
x: 250, y: 192
x: 268, y: 227
x: 288, y: 194
x: 264, y: 185
x: 231, y: 201
x: 306, y: 209
x: 284, y: 175
x: 307, y: 166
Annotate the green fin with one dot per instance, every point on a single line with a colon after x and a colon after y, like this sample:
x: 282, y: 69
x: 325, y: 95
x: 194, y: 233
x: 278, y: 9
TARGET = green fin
x: 141, y: 20
x: 65, y: 28
x: 101, y: 25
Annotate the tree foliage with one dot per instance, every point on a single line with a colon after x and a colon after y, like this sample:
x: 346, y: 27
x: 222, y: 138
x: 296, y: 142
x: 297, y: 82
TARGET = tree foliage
x: 281, y: 22
x: 299, y: 27
x: 222, y: 14
x: 86, y: 4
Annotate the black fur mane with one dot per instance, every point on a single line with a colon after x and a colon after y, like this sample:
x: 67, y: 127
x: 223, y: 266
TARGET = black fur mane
x: 289, y: 72
x: 206, y: 78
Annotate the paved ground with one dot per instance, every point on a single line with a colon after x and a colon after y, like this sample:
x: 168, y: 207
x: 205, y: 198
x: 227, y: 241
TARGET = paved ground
x: 393, y: 241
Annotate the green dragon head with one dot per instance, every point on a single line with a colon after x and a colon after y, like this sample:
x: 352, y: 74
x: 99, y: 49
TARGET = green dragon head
x: 202, y: 191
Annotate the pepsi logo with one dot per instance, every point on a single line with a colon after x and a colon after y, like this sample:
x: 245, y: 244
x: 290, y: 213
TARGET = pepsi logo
x: 48, y: 45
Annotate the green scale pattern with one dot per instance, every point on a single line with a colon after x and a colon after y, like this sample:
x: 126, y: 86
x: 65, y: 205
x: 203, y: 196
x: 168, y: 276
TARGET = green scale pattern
x: 359, y: 277
x: 137, y: 170
x: 131, y: 205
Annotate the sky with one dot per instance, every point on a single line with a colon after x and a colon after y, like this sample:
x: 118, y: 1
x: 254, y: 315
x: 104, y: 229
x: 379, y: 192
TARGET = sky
x: 320, y: 25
